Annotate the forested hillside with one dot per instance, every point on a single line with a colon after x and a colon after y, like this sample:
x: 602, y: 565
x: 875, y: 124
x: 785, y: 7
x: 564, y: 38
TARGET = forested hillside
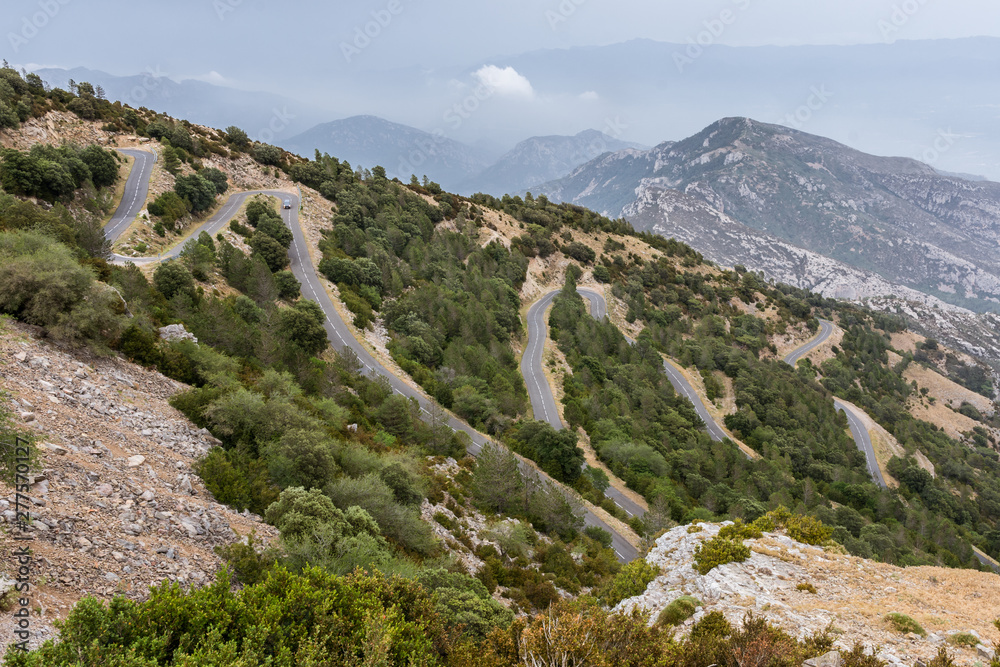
x: 395, y: 546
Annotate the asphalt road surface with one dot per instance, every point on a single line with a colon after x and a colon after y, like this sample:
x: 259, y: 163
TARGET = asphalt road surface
x: 136, y: 188
x: 543, y: 402
x: 684, y: 388
x: 862, y: 440
x: 986, y: 560
x: 825, y: 329
x: 858, y: 431
x: 339, y: 333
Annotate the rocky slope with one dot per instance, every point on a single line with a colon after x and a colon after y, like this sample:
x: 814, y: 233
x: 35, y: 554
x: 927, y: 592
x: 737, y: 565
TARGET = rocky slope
x: 115, y: 504
x: 852, y: 595
x: 722, y: 239
x: 896, y: 217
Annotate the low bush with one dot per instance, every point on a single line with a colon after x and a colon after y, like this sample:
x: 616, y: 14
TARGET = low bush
x: 630, y: 581
x: 740, y: 531
x: 678, y: 611
x: 712, y: 624
x: 903, y: 623
x: 718, y: 551
x: 598, y: 534
x: 806, y: 587
x: 805, y: 529
x: 966, y: 639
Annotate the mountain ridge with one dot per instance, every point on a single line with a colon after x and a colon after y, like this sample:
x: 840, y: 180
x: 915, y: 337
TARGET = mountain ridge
x: 867, y: 211
x: 543, y: 158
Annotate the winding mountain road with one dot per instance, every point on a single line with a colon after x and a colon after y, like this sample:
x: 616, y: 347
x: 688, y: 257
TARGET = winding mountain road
x: 862, y: 439
x: 543, y: 402
x: 825, y: 329
x: 338, y: 332
x: 860, y: 434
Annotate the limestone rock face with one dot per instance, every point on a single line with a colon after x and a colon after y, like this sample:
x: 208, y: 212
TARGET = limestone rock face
x: 852, y: 595
x: 176, y: 332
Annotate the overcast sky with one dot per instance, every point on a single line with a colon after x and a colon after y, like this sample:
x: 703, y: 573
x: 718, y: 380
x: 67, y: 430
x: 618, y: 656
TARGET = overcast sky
x: 255, y: 43
x: 471, y: 70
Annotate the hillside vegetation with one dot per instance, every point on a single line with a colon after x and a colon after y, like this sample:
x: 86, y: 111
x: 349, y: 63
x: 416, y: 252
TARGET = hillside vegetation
x: 357, y: 480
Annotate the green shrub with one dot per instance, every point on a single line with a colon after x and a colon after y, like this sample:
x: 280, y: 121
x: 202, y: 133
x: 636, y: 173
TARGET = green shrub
x: 580, y: 252
x: 678, y: 611
x: 288, y: 286
x: 903, y: 623
x: 169, y: 207
x: 172, y: 278
x: 966, y: 639
x: 630, y: 581
x: 740, y: 531
x: 713, y: 624
x: 805, y: 529
x: 541, y: 593
x: 694, y: 529
x: 718, y: 551
x: 808, y: 530
x: 249, y: 564
x: 599, y: 535
x: 362, y: 310
x: 807, y: 587
x: 859, y: 657
x: 287, y: 618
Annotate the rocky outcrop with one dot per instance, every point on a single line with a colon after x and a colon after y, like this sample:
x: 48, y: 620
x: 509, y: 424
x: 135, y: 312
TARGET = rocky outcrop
x: 173, y: 332
x: 852, y: 594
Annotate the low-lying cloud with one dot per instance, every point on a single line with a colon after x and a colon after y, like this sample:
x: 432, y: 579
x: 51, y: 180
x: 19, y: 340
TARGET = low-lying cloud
x: 504, y: 81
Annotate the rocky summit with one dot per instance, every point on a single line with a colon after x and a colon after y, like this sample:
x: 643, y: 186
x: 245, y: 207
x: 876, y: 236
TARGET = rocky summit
x: 898, y: 218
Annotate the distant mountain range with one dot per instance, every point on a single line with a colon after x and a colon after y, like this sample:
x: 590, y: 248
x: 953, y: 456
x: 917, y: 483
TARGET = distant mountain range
x: 370, y: 141
x: 541, y: 159
x: 802, y: 208
x: 405, y: 151
x: 264, y: 116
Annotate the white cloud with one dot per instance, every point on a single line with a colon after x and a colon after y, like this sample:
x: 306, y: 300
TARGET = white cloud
x: 504, y: 81
x: 590, y: 96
